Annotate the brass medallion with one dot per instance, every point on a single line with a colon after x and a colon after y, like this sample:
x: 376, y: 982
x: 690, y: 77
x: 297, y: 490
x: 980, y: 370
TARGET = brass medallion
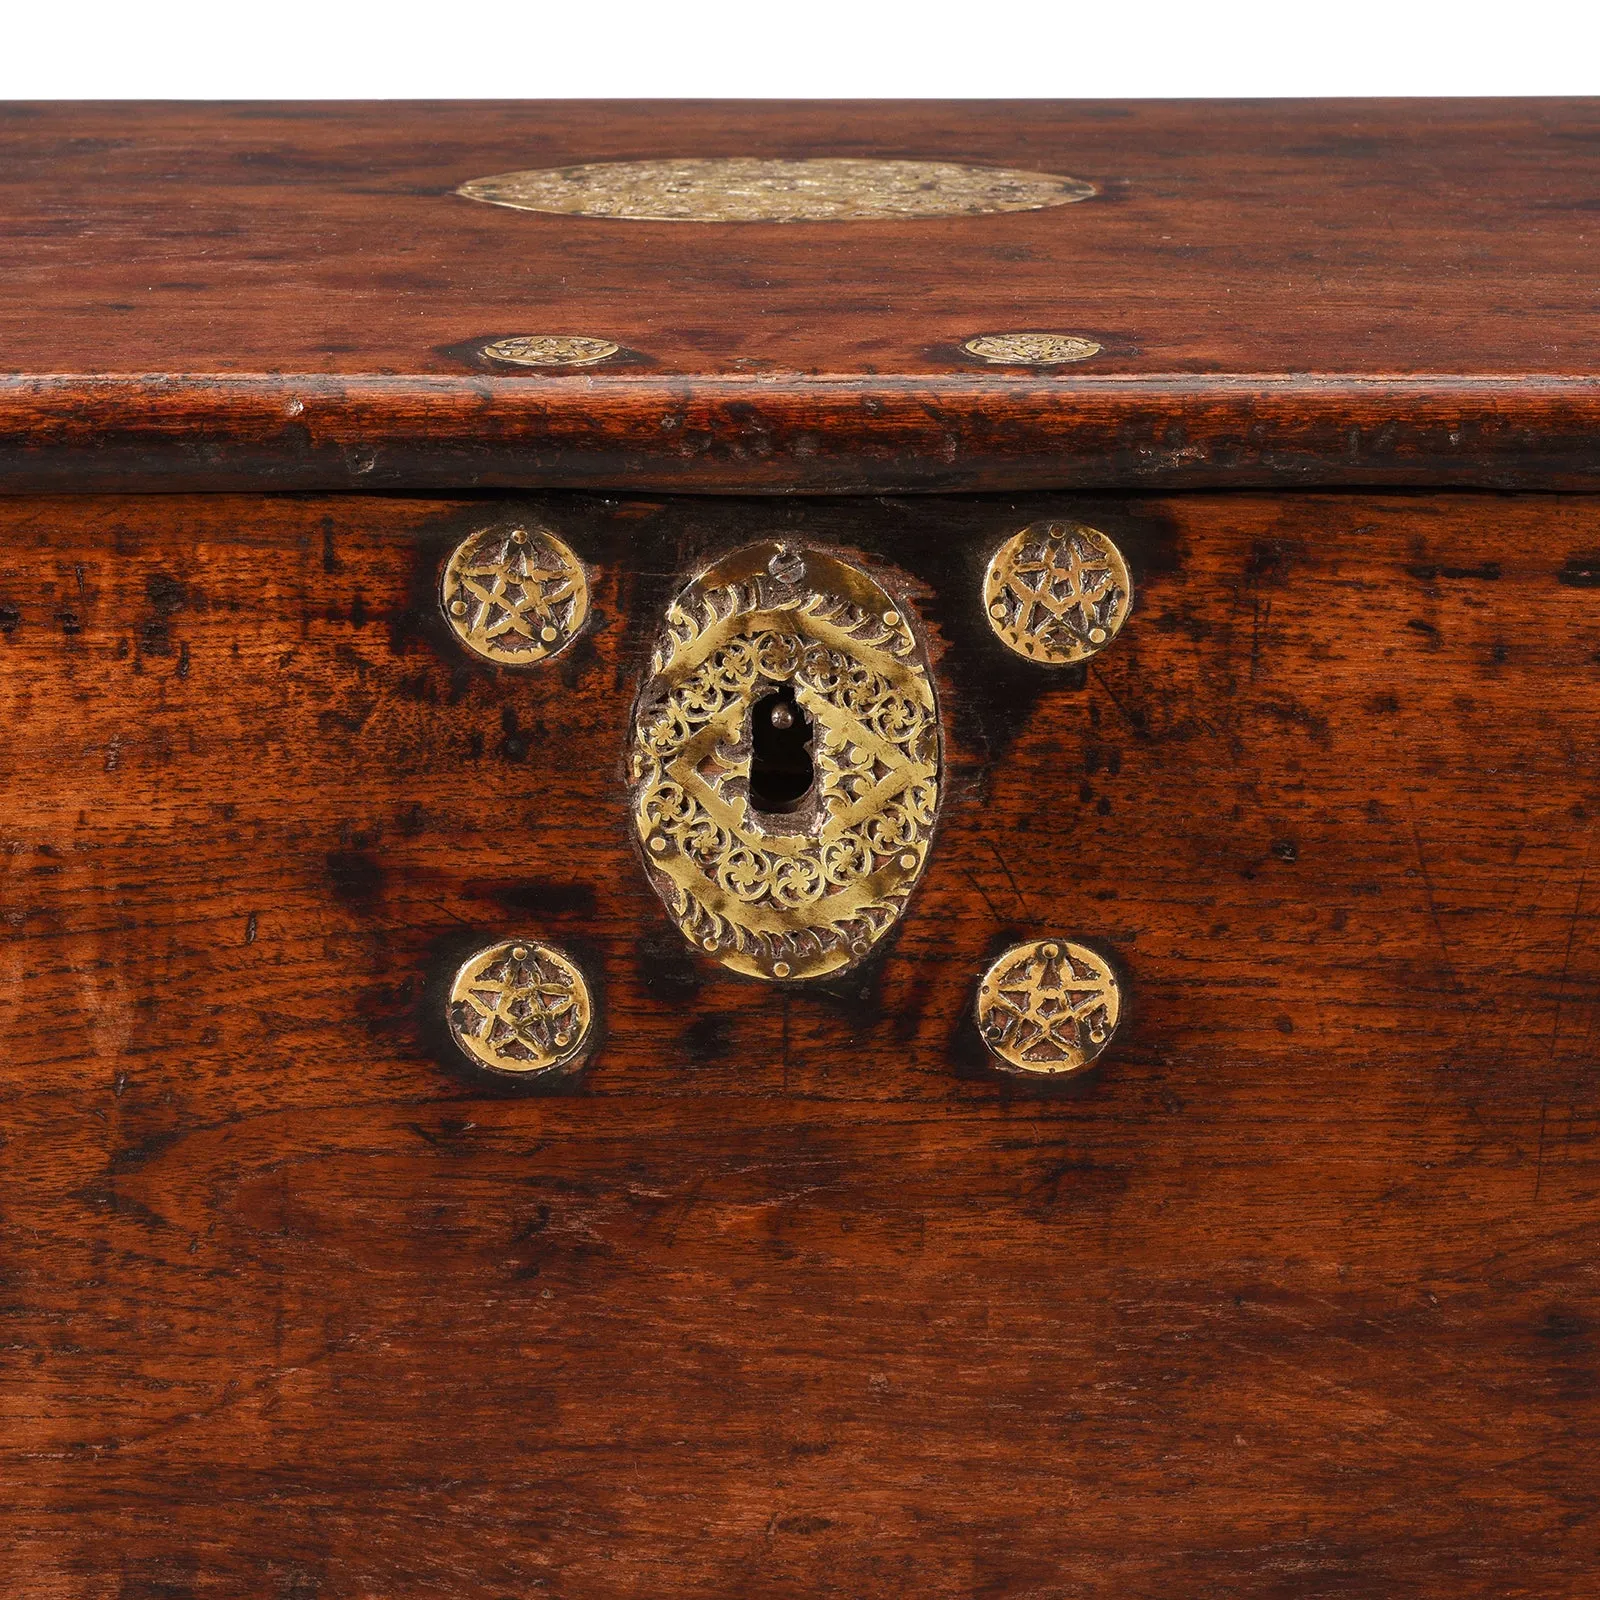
x: 790, y: 645
x: 1048, y: 1007
x: 1057, y: 592
x: 749, y: 189
x: 1030, y: 349
x: 521, y: 1007
x: 516, y: 595
x: 551, y: 350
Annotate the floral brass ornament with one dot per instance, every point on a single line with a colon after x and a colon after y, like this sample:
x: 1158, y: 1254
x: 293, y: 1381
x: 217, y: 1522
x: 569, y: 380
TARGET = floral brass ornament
x: 1030, y: 349
x: 515, y: 595
x: 1048, y: 1007
x: 521, y: 1007
x: 810, y: 890
x: 1057, y: 592
x: 551, y: 350
x: 752, y: 189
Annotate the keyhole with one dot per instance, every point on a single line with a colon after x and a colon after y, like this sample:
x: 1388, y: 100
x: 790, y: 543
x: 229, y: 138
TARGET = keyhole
x: 781, y: 773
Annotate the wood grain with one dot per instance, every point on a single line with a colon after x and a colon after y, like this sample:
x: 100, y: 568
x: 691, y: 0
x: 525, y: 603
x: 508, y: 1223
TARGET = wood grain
x: 787, y: 1295
x: 252, y: 296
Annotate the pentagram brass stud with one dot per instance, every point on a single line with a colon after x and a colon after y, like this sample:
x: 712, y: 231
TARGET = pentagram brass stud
x: 1030, y: 349
x: 520, y: 1007
x: 551, y: 350
x: 1048, y: 1007
x: 516, y: 595
x: 1057, y: 592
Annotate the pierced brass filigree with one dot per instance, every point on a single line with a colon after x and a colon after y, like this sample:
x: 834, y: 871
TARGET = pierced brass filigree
x: 520, y: 1007
x: 551, y: 350
x: 1057, y: 592
x: 748, y: 189
x: 1048, y: 1007
x: 811, y: 890
x: 1030, y: 349
x: 516, y: 595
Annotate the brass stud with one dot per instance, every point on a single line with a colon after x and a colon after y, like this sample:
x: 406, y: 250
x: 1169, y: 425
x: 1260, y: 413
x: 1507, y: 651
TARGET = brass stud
x: 551, y: 350
x: 1057, y: 592
x: 1048, y: 1007
x: 1030, y: 349
x: 780, y: 969
x: 516, y: 596
x: 521, y: 1008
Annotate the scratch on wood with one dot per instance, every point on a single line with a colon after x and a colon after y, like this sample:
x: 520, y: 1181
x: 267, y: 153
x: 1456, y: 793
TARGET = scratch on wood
x: 1433, y: 905
x: 1566, y: 957
x: 1135, y: 719
x: 1538, y: 1166
x: 983, y: 895
x: 1005, y: 867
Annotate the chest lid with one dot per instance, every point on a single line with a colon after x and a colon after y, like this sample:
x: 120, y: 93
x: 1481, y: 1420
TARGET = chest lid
x: 782, y: 297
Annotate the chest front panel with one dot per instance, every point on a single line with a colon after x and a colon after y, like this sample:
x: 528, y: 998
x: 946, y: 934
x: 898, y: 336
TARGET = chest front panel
x: 788, y: 1287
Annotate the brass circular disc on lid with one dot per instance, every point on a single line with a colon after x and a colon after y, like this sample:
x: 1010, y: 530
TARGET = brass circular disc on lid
x: 1048, y: 1007
x: 520, y: 1007
x: 1057, y: 592
x: 515, y: 595
x: 551, y: 350
x: 1030, y: 349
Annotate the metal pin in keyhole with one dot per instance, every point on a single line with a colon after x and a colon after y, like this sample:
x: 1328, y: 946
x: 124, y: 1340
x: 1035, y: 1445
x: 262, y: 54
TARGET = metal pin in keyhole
x: 781, y: 716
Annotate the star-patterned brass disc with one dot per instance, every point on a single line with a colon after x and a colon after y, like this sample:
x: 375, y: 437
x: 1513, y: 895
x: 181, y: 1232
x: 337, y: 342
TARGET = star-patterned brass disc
x: 515, y: 594
x: 520, y: 1007
x: 1030, y: 349
x: 551, y: 350
x: 1048, y: 1007
x: 1057, y: 592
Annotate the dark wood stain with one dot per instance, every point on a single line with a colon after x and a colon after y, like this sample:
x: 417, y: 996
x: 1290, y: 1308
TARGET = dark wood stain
x: 791, y: 1295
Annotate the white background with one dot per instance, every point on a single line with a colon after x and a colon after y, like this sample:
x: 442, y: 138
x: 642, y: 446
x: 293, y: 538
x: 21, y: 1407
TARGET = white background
x: 287, y: 49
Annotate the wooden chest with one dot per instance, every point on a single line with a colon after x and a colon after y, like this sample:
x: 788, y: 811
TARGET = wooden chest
x: 799, y: 850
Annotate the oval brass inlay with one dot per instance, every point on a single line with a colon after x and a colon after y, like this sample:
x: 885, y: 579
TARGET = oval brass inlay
x: 1049, y: 1006
x: 748, y: 189
x: 520, y: 1006
x: 807, y: 884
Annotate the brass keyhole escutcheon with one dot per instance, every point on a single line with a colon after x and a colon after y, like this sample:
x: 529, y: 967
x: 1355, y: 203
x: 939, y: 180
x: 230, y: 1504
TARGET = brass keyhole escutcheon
x: 786, y: 761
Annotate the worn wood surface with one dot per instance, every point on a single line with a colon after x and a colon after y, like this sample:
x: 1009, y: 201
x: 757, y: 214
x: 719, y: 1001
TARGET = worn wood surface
x: 293, y: 296
x: 787, y: 1296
